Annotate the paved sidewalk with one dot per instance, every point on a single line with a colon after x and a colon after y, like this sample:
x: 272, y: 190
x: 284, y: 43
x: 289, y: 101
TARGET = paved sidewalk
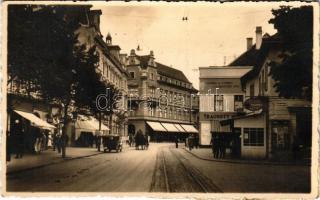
x: 206, y: 154
x: 48, y: 157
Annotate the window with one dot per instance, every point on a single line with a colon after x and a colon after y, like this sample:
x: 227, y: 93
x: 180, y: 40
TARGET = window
x: 152, y: 92
x: 151, y: 76
x: 253, y: 137
x: 238, y: 103
x: 131, y: 74
x: 252, y: 90
x: 218, y: 102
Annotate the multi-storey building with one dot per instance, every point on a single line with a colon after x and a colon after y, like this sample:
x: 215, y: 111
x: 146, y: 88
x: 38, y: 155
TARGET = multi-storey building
x: 261, y: 123
x: 272, y: 124
x: 161, y: 98
x: 221, y: 98
x: 113, y: 74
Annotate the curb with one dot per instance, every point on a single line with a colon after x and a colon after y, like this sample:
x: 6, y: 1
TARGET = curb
x: 51, y: 163
x: 247, y: 161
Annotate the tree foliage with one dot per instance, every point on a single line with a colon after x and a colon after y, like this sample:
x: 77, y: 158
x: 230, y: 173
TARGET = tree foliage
x: 293, y: 76
x: 43, y: 48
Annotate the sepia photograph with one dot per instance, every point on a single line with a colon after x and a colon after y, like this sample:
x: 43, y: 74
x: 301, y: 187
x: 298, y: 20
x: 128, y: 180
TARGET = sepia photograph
x: 151, y: 98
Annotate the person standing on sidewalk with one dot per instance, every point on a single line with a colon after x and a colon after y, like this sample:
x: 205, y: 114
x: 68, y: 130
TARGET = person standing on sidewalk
x: 176, y: 140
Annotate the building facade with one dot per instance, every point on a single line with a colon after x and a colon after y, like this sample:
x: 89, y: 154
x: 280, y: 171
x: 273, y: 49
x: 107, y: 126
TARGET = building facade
x: 280, y: 123
x: 113, y: 73
x: 221, y: 98
x: 159, y: 95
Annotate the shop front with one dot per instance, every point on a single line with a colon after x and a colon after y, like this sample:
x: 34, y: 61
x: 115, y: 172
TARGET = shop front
x: 165, y: 131
x: 85, y: 131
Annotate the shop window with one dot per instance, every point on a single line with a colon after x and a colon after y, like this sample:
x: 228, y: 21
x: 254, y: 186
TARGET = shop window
x: 280, y: 135
x: 253, y: 137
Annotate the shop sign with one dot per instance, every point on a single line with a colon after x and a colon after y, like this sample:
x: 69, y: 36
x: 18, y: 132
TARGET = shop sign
x: 215, y: 116
x: 253, y: 104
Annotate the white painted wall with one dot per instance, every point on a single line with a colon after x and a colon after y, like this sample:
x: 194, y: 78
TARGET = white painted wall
x: 205, y: 135
x: 252, y: 122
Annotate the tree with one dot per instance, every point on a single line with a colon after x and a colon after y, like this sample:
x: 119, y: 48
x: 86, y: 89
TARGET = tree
x: 43, y: 48
x: 293, y: 76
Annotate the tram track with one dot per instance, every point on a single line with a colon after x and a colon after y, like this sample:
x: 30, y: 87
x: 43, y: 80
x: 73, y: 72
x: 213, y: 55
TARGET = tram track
x: 174, y: 173
x: 196, y: 176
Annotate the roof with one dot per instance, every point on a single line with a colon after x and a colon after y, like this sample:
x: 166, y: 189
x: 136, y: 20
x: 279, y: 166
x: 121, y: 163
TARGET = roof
x: 114, y: 47
x: 255, y: 57
x: 171, y: 72
x: 248, y: 58
x: 105, y: 49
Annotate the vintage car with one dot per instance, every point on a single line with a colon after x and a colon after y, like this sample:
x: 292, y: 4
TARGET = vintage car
x: 112, y: 142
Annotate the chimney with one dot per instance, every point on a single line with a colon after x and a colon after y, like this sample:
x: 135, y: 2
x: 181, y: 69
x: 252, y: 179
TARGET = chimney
x: 132, y: 52
x: 151, y: 54
x: 249, y: 43
x: 258, y: 37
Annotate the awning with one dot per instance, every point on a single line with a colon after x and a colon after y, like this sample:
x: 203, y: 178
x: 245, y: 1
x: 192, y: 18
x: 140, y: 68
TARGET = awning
x: 178, y: 126
x: 156, y: 126
x: 36, y: 121
x: 170, y: 127
x: 90, y: 124
x: 95, y: 123
x: 189, y: 128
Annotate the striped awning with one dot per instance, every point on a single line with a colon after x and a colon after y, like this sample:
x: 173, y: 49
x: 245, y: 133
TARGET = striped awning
x: 35, y: 121
x: 170, y: 127
x: 156, y: 126
x: 189, y: 128
x: 178, y: 126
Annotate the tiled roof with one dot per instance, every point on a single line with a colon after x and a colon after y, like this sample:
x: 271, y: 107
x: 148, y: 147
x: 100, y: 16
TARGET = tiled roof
x: 171, y: 72
x: 248, y: 58
x: 255, y: 57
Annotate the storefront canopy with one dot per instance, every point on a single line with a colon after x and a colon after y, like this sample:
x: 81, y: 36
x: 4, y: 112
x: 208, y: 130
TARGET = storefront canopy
x: 36, y: 121
x: 90, y: 124
x: 170, y: 127
x: 178, y: 126
x: 156, y: 126
x: 189, y: 128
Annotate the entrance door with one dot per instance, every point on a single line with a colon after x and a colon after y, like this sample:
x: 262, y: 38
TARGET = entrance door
x: 236, y: 148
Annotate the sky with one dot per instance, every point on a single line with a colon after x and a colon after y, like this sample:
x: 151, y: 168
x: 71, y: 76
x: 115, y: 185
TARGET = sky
x: 213, y: 35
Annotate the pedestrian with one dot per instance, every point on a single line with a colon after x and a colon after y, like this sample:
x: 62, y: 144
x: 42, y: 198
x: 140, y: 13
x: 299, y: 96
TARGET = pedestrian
x: 19, y: 138
x: 190, y: 142
x: 58, y: 141
x: 212, y: 145
x: 98, y: 140
x: 8, y: 147
x: 217, y: 147
x: 223, y: 146
x: 196, y: 138
x: 176, y: 141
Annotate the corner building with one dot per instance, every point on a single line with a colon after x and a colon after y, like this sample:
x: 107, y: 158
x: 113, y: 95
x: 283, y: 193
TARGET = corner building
x: 161, y: 102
